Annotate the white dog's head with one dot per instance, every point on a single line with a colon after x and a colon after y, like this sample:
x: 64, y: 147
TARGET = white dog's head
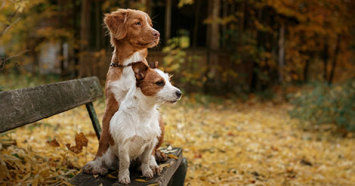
x: 155, y: 83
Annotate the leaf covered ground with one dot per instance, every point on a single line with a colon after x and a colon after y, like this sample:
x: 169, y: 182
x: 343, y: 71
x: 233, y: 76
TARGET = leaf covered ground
x: 226, y: 143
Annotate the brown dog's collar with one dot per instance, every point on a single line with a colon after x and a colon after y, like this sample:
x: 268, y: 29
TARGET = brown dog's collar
x: 123, y: 66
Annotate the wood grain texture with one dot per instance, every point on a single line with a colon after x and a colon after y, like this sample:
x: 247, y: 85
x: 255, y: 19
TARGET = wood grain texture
x: 23, y: 106
x: 83, y: 179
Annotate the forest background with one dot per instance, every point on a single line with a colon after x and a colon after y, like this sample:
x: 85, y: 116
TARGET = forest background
x: 291, y: 58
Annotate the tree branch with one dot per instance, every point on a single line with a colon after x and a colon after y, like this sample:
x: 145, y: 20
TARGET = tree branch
x: 8, y: 27
x: 5, y: 59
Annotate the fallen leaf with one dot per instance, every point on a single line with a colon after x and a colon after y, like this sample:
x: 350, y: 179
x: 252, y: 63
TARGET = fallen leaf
x: 111, y: 176
x: 53, y: 143
x: 305, y: 162
x: 153, y: 184
x: 141, y: 180
x: 164, y: 165
x: 172, y: 156
x: 80, y: 141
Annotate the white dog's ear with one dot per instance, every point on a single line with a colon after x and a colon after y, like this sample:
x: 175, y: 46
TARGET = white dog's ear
x: 140, y: 70
x: 116, y: 23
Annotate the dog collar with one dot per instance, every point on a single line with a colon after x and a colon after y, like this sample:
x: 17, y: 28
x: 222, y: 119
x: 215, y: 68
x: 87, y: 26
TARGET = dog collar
x: 123, y: 66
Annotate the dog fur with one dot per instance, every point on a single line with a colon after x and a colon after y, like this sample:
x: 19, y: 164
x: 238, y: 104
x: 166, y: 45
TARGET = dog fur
x: 135, y: 126
x: 131, y: 34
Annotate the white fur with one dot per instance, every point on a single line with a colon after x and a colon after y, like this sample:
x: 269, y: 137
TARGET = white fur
x: 168, y: 93
x: 101, y: 164
x: 135, y: 128
x: 121, y: 86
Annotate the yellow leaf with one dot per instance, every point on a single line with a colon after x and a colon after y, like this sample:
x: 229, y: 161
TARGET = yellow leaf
x: 111, y: 176
x: 164, y: 165
x: 153, y: 184
x: 141, y: 180
x: 172, y: 156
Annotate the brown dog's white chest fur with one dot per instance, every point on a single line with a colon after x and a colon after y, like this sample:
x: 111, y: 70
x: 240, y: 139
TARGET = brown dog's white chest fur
x: 121, y: 86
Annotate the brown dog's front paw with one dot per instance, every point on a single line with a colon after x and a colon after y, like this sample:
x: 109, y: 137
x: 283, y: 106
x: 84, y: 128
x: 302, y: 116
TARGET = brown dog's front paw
x: 94, y: 167
x: 160, y: 156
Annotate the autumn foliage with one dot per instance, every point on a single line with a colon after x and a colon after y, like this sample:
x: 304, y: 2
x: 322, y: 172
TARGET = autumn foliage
x: 268, y: 87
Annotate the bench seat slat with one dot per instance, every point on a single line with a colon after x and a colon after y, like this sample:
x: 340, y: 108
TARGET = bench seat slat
x: 167, y: 173
x: 23, y: 106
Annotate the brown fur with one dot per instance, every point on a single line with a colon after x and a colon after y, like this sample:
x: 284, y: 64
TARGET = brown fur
x: 147, y: 79
x: 127, y: 38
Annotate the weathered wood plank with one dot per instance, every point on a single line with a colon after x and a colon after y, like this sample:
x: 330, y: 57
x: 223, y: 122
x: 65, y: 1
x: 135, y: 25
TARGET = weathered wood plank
x: 179, y: 176
x: 83, y: 179
x: 23, y: 106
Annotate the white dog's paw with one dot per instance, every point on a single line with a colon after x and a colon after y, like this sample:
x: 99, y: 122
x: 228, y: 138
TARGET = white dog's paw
x: 94, y: 167
x: 124, y: 178
x: 147, y: 172
x: 154, y: 166
x: 156, y: 170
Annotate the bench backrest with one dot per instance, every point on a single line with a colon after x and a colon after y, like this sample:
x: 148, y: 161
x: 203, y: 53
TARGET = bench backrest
x: 23, y: 106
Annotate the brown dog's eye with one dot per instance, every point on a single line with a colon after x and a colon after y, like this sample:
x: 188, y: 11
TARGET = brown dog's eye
x: 138, y: 23
x: 160, y: 83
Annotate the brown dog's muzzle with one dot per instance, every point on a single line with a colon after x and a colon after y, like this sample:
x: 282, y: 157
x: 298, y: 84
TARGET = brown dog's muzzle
x: 156, y: 34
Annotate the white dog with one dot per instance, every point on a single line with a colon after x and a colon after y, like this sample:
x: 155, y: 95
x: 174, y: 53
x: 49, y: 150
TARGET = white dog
x: 135, y: 126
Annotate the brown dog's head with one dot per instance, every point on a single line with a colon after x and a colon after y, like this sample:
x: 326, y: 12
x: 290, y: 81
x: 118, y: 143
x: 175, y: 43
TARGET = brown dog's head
x: 133, y: 26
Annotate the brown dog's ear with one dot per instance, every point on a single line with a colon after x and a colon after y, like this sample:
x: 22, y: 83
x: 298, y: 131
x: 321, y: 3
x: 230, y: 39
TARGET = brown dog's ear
x: 140, y: 70
x: 116, y: 23
x: 154, y: 65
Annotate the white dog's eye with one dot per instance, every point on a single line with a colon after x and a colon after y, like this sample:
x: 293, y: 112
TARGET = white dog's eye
x: 160, y: 83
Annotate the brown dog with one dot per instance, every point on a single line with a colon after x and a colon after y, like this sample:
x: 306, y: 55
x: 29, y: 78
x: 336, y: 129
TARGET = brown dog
x: 131, y: 35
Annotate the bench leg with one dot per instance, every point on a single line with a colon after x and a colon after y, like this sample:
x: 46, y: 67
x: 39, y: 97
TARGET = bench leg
x: 95, y: 122
x: 178, y: 179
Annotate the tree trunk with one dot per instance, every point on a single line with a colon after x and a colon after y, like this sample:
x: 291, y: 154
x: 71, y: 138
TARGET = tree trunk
x: 325, y: 60
x: 197, y: 15
x: 281, y: 60
x: 255, y: 80
x: 305, y: 71
x: 213, y: 42
x: 84, y: 37
x: 98, y: 26
x: 167, y: 20
x: 214, y: 27
x: 224, y: 27
x: 336, y: 52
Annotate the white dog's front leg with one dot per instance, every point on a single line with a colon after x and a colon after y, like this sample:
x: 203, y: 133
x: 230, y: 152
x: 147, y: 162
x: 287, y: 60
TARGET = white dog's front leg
x: 145, y: 162
x: 123, y: 171
x: 154, y: 166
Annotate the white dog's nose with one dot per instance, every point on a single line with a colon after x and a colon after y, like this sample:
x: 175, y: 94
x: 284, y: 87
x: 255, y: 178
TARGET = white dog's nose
x: 178, y: 93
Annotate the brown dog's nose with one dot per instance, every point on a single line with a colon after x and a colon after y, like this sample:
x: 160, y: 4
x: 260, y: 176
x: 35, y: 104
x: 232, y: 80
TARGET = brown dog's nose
x: 156, y: 34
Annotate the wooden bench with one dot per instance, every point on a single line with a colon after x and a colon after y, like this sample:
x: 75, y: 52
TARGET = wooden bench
x: 25, y: 106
